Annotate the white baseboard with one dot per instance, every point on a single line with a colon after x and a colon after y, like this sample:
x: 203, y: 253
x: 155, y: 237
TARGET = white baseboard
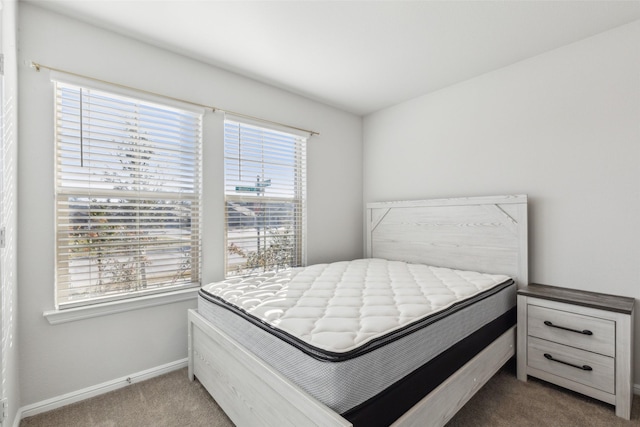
x: 96, y: 390
x: 636, y: 389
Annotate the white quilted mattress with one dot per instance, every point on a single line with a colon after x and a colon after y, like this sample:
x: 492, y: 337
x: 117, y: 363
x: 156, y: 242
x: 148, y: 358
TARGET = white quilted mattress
x: 346, y: 331
x: 339, y: 307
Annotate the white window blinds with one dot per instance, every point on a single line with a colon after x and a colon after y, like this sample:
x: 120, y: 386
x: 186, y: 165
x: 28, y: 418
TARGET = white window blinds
x: 265, y: 198
x: 128, y: 184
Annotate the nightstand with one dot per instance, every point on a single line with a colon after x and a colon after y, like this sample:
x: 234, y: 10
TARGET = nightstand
x: 579, y: 340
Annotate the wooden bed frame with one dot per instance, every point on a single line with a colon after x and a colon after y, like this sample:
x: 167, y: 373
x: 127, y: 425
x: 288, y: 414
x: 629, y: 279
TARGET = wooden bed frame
x: 486, y: 234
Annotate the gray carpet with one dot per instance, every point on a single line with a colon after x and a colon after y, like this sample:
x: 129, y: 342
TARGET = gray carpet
x: 507, y: 402
x: 172, y: 401
x: 169, y: 400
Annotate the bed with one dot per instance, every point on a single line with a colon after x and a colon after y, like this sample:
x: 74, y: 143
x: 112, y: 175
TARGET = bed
x: 418, y: 371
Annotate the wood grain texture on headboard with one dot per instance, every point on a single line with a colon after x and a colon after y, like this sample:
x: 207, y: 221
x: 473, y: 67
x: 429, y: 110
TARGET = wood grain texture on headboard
x: 486, y: 234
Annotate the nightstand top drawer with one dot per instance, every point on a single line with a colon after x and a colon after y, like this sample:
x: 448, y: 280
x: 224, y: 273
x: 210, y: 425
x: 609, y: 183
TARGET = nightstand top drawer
x: 583, y: 298
x: 571, y: 329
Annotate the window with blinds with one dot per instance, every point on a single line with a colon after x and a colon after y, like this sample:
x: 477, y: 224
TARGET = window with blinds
x: 127, y: 196
x: 265, y: 186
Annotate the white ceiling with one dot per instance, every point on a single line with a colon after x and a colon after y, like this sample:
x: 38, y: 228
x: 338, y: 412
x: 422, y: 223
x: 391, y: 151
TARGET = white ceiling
x: 360, y: 56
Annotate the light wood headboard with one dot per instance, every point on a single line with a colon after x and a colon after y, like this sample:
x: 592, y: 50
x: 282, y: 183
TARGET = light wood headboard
x: 485, y: 234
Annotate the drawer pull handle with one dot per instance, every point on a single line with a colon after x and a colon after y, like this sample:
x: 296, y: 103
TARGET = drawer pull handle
x: 583, y: 332
x: 583, y: 367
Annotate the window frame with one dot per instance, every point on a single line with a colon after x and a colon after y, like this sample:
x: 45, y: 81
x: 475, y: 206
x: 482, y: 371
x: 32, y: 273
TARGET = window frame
x: 162, y: 294
x: 299, y: 200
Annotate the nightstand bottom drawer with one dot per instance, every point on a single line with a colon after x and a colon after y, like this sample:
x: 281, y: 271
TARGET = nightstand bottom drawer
x: 590, y: 369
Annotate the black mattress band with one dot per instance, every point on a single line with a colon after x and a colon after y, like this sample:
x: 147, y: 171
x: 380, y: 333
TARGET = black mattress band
x: 387, y: 406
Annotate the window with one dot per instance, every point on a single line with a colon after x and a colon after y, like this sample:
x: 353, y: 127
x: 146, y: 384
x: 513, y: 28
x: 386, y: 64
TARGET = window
x: 127, y: 196
x: 265, y: 185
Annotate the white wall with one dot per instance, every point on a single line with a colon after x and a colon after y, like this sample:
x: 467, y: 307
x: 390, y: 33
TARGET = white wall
x: 72, y: 356
x: 10, y: 387
x: 562, y: 127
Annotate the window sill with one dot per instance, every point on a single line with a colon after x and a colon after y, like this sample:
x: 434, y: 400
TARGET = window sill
x: 56, y: 317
